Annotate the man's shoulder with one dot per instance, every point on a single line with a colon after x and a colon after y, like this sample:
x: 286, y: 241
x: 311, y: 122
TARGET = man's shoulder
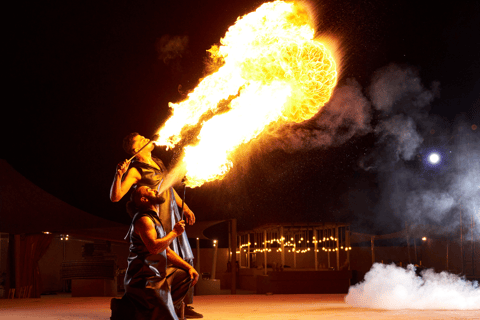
x: 134, y: 171
x: 148, y: 220
x: 138, y: 165
x: 147, y: 214
x: 160, y: 163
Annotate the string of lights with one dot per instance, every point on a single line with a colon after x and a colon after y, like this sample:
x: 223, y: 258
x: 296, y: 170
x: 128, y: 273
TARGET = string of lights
x: 297, y: 241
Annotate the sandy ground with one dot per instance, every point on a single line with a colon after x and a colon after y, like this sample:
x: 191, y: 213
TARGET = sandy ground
x: 230, y: 307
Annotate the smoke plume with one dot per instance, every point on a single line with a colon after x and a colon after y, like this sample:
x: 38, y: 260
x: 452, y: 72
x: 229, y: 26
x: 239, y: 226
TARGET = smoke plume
x: 346, y: 115
x: 402, y: 104
x: 171, y: 47
x: 392, y: 287
x: 170, y: 50
x: 396, y: 111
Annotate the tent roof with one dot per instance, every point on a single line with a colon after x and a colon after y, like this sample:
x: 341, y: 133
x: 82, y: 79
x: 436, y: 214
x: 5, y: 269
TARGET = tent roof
x: 26, y: 208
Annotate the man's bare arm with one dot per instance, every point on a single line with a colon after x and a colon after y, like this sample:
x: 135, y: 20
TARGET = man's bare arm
x: 146, y: 229
x: 120, y: 188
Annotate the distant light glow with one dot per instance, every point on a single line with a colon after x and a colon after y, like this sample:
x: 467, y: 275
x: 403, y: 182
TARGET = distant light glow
x: 434, y: 158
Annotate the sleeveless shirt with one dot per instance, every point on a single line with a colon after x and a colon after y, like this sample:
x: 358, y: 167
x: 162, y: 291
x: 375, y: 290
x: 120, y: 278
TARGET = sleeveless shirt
x: 168, y: 210
x: 145, y: 279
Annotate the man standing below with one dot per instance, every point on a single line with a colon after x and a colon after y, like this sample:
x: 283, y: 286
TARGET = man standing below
x: 147, y: 170
x: 153, y: 290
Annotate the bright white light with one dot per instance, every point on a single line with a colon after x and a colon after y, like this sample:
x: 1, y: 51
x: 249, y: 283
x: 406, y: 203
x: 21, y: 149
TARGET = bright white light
x: 434, y: 158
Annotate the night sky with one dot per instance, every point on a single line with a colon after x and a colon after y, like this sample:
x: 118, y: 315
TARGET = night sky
x: 82, y: 75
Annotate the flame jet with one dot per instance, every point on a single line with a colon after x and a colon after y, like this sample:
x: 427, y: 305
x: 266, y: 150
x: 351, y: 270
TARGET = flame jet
x: 272, y: 71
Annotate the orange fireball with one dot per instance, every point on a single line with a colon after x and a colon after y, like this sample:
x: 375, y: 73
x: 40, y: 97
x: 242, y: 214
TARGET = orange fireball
x: 271, y: 71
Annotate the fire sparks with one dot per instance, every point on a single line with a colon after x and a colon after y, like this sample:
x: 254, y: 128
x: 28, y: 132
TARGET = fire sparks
x: 271, y: 72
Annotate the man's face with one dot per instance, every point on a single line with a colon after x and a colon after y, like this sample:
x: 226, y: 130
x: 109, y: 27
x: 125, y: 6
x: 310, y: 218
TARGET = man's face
x: 152, y: 195
x: 139, y: 141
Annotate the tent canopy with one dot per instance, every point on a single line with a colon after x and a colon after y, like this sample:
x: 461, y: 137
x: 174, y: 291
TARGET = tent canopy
x: 26, y: 208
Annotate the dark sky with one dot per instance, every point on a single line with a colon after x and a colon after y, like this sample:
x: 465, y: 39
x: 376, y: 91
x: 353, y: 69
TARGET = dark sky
x: 82, y: 75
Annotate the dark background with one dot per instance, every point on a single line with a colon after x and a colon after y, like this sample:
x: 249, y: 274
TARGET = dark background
x: 83, y: 74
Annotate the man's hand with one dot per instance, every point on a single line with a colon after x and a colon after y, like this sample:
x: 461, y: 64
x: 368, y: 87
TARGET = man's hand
x: 193, y: 275
x: 179, y: 227
x: 122, y: 167
x: 189, y: 216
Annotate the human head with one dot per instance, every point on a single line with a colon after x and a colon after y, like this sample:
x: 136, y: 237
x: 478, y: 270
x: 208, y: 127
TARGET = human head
x: 128, y: 142
x: 145, y: 197
x: 133, y: 142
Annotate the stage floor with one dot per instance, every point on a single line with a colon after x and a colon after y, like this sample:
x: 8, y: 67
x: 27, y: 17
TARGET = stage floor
x: 229, y: 307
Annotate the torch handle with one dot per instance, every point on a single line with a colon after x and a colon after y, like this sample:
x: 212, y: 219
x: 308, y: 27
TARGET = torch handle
x: 183, y: 199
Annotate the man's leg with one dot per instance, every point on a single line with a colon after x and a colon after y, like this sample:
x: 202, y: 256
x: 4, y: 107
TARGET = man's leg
x: 189, y: 312
x: 179, y: 282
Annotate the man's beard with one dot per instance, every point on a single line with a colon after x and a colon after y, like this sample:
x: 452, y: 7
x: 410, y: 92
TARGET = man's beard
x: 156, y: 199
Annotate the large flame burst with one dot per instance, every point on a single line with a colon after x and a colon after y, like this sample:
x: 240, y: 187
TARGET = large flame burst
x: 272, y: 72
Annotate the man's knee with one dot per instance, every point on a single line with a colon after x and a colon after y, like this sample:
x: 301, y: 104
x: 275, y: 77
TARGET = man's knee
x: 177, y: 275
x: 185, y: 279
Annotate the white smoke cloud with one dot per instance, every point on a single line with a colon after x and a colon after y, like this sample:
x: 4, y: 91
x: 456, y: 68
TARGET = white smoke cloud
x: 395, y: 88
x: 402, y: 101
x: 403, y: 129
x: 392, y: 287
x: 435, y: 203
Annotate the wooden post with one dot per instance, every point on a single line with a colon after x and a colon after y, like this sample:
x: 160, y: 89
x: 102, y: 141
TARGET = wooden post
x: 230, y: 242
x: 265, y: 250
x: 234, y: 256
x: 315, y: 241
x: 239, y: 238
x: 347, y: 241
x: 372, y: 243
x: 415, y: 247
x: 408, y: 242
x: 328, y: 249
x: 447, y: 252
x: 18, y: 283
x: 462, y: 256
x: 248, y: 251
x: 294, y: 251
x: 197, y: 265
x: 337, y: 235
x: 282, y: 239
x: 214, y: 263
x: 472, y: 228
